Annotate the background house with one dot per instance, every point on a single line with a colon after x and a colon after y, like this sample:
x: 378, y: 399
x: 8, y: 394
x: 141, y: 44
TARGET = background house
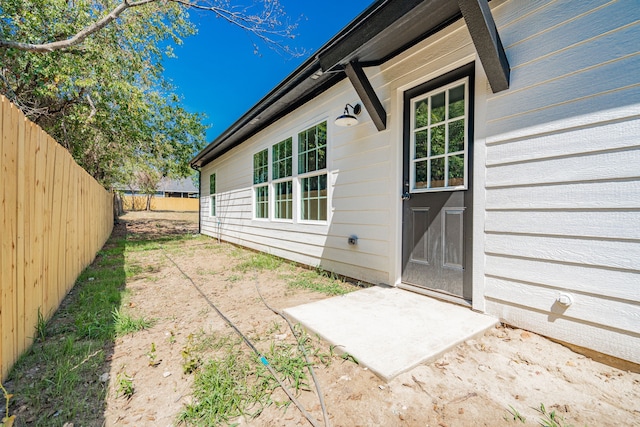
x: 494, y: 162
x: 164, y: 198
x: 182, y: 188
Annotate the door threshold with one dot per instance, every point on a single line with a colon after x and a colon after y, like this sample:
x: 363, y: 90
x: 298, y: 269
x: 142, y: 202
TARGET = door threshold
x: 435, y: 294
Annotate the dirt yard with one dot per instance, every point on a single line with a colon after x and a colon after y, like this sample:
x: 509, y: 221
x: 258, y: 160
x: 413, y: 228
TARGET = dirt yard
x: 498, y: 379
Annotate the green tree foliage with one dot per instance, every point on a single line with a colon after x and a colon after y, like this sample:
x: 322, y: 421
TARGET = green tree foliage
x: 89, y: 72
x: 104, y: 100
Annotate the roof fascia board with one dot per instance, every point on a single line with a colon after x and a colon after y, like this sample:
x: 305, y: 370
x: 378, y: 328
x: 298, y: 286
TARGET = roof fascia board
x: 372, y: 22
x: 486, y: 39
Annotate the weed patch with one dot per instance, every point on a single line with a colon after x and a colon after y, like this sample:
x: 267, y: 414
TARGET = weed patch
x: 125, y: 324
x: 125, y: 385
x: 547, y: 419
x: 41, y: 327
x: 7, y: 420
x: 551, y: 419
x: 259, y: 262
x: 234, y: 382
x: 315, y: 281
x: 224, y: 388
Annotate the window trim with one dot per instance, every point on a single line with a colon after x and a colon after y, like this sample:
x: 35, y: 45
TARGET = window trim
x: 266, y: 165
x: 256, y: 185
x: 213, y: 208
x: 273, y: 161
x: 412, y: 175
x: 256, y: 201
x: 295, y: 178
x: 312, y: 174
x: 309, y: 174
x: 326, y: 148
x: 292, y: 180
x: 289, y: 178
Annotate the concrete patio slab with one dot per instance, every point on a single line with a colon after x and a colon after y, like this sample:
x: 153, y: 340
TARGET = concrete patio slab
x: 390, y: 330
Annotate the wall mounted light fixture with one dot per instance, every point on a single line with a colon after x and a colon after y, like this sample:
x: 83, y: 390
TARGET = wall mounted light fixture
x: 347, y: 119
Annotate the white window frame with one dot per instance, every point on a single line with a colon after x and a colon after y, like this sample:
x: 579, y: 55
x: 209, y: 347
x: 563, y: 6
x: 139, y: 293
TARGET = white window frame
x: 325, y: 173
x: 256, y: 202
x: 311, y: 174
x: 274, y: 184
x: 212, y: 196
x: 413, y: 160
x: 295, y: 179
x: 290, y: 178
x: 259, y: 185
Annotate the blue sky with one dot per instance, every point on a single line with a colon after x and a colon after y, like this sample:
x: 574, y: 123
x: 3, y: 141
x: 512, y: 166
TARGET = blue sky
x: 218, y: 73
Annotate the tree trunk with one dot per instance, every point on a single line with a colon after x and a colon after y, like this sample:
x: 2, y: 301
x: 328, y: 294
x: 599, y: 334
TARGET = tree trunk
x: 118, y: 208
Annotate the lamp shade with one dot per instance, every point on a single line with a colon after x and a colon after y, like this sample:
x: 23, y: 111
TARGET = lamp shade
x: 346, y: 120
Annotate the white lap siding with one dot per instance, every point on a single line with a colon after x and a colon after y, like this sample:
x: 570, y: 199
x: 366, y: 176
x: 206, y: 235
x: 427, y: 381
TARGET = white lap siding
x: 364, y: 171
x: 358, y: 174
x: 563, y: 174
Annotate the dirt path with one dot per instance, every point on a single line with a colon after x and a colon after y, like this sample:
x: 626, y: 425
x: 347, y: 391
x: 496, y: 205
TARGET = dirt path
x: 474, y: 384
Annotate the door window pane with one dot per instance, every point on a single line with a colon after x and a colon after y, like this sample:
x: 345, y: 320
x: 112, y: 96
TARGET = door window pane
x: 438, y: 108
x: 456, y: 170
x: 422, y: 114
x: 439, y: 138
x: 456, y: 136
x: 437, y: 173
x: 421, y: 175
x: 456, y: 102
x: 421, y: 144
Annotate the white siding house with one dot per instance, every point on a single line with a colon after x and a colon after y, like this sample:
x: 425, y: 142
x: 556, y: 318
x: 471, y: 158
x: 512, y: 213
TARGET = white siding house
x: 527, y: 197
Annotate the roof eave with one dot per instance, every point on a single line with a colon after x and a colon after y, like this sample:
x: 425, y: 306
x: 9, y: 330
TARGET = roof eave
x: 379, y: 33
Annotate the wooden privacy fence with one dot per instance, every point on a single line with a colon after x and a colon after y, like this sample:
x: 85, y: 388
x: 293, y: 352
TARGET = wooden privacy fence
x: 54, y: 217
x: 138, y: 203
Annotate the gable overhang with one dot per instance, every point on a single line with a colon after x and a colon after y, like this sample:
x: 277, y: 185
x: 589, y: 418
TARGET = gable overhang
x: 382, y: 31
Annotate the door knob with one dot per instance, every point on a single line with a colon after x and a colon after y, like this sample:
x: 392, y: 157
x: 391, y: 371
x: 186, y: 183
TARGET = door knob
x: 406, y: 195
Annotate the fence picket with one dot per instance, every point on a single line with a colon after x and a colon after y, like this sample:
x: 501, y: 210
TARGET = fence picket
x: 4, y: 253
x: 9, y: 236
x: 30, y: 270
x: 22, y: 224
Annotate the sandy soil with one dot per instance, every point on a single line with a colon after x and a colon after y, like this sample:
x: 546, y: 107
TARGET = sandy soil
x: 473, y: 384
